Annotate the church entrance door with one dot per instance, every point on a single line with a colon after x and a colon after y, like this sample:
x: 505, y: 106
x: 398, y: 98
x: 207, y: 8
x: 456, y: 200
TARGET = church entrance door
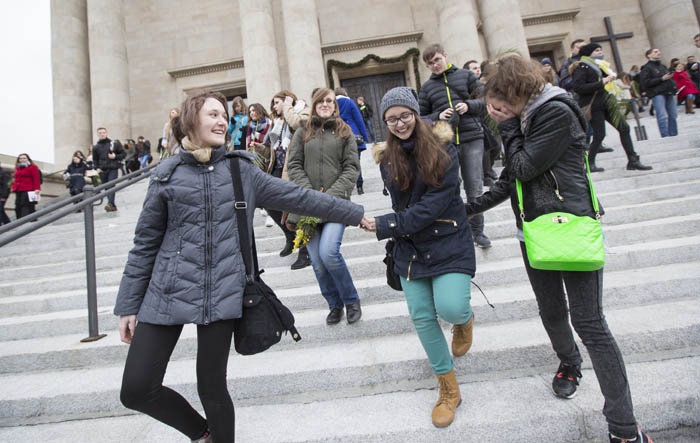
x: 373, y: 88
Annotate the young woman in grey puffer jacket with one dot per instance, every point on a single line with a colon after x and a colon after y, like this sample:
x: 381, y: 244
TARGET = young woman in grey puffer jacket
x: 186, y: 267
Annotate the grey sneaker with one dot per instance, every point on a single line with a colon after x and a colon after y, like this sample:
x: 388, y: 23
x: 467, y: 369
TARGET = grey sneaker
x: 482, y: 241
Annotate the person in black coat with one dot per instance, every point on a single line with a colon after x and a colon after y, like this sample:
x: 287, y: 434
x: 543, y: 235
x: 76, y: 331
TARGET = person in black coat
x: 76, y: 173
x: 5, y: 177
x: 589, y: 82
x: 108, y: 156
x: 544, y: 136
x: 446, y: 96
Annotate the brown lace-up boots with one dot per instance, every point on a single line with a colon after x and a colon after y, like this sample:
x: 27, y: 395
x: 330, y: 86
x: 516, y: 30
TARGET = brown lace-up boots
x: 462, y: 338
x: 450, y: 399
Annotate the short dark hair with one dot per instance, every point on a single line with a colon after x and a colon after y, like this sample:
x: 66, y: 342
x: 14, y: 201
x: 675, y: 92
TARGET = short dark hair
x: 466, y: 65
x: 340, y: 91
x: 101, y: 127
x: 431, y: 50
x: 646, y: 54
x: 575, y: 42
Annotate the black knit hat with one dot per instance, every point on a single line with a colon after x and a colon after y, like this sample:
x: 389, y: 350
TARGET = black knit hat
x: 588, y: 49
x: 400, y: 96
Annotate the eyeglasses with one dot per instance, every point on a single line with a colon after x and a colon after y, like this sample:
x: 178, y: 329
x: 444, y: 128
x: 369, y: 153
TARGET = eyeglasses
x: 328, y: 101
x: 435, y: 61
x: 406, y: 117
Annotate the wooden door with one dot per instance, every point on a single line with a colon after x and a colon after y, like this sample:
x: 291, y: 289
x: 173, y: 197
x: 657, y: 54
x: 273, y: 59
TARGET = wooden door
x: 373, y: 88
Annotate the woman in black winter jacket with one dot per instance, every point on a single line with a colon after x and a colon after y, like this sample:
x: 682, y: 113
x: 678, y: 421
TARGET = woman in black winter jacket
x: 186, y: 266
x: 544, y: 138
x: 589, y: 80
x: 76, y: 173
x: 434, y: 251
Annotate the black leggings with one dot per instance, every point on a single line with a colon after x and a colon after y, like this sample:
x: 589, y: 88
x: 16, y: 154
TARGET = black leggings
x: 142, y: 384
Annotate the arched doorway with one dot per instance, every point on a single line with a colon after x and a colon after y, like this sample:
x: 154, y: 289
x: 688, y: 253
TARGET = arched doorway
x: 373, y: 88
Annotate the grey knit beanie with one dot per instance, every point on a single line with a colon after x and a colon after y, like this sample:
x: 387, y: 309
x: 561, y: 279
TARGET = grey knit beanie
x: 400, y: 96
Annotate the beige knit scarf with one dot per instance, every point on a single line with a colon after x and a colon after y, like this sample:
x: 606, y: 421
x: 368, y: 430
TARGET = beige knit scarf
x: 203, y: 155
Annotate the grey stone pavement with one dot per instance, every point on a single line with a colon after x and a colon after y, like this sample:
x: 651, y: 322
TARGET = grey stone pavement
x: 371, y: 383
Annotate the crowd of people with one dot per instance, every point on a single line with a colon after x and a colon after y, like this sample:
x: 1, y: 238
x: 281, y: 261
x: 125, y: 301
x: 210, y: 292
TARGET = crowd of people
x: 302, y: 161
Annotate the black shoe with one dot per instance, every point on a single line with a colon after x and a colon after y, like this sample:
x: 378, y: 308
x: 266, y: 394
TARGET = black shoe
x: 334, y: 316
x: 303, y: 260
x: 605, y: 149
x: 565, y: 382
x: 595, y: 168
x: 635, y: 165
x: 354, y: 312
x: 482, y: 241
x: 360, y: 191
x: 641, y: 437
x: 287, y: 250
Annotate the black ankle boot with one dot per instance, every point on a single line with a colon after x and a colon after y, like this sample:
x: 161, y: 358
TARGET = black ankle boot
x: 634, y: 164
x: 595, y: 168
x: 360, y: 191
x: 287, y: 249
x: 303, y: 260
x: 354, y: 312
x: 334, y: 316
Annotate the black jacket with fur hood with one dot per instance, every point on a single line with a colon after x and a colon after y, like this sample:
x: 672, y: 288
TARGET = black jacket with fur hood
x: 433, y: 236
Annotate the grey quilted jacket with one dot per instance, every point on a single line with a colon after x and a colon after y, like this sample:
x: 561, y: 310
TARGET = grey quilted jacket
x: 186, y: 264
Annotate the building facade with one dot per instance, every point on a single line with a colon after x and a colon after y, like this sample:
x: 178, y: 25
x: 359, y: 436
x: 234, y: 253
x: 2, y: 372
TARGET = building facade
x: 123, y: 64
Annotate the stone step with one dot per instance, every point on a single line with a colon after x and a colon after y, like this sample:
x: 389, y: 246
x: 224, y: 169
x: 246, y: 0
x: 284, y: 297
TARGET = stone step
x: 71, y: 234
x: 520, y: 407
x: 372, y: 365
x: 50, y: 341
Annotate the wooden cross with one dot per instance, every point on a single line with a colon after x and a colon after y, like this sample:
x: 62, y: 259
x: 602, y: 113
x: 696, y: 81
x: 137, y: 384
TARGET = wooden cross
x: 613, y: 38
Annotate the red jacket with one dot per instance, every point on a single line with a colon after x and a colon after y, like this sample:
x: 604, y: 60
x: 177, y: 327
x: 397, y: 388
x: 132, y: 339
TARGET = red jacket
x: 683, y: 79
x: 26, y: 179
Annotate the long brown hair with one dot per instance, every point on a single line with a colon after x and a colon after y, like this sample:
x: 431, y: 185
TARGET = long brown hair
x: 342, y: 130
x: 281, y: 95
x: 431, y: 158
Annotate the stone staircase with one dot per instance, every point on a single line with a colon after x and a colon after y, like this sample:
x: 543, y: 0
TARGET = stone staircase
x: 370, y: 382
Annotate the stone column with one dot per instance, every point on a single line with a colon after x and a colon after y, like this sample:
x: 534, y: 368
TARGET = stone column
x: 109, y: 69
x: 503, y: 27
x: 303, y: 41
x: 671, y: 26
x: 70, y: 67
x: 458, y: 33
x: 262, y: 71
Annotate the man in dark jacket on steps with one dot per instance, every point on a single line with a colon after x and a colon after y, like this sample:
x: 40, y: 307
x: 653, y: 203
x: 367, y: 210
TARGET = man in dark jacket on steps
x: 657, y: 81
x: 108, y: 156
x: 445, y: 96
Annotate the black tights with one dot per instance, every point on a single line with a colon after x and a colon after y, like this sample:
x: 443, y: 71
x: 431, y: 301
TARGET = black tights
x: 142, y: 384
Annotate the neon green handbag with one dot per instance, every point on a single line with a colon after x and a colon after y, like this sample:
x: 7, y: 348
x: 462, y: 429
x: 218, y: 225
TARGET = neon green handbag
x: 560, y: 241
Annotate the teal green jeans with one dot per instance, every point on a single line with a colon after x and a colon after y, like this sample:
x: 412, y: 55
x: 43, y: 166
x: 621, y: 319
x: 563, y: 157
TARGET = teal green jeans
x: 447, y: 296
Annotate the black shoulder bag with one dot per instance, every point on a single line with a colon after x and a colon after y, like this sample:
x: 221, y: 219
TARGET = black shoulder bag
x: 264, y: 317
x: 392, y: 278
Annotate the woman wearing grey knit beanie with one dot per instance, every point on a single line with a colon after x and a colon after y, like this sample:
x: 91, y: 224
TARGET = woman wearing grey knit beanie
x: 431, y: 239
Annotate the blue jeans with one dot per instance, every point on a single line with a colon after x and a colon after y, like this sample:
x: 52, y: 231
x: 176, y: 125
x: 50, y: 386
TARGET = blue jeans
x: 108, y: 176
x: 370, y: 130
x: 584, y: 292
x: 665, y: 107
x: 143, y: 160
x: 329, y: 266
x: 447, y: 296
x: 471, y: 165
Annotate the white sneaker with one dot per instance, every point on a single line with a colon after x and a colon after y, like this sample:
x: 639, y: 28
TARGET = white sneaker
x: 263, y: 212
x: 269, y: 222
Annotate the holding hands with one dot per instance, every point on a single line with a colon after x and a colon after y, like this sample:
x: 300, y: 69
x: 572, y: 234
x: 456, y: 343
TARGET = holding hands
x: 368, y: 224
